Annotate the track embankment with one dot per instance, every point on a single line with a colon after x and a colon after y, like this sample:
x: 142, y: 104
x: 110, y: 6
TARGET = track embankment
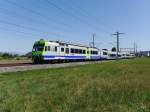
x: 14, y: 67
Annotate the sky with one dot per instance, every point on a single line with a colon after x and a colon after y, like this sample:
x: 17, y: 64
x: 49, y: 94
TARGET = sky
x: 22, y: 22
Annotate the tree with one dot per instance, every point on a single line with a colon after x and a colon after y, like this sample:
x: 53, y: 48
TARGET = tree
x: 113, y: 49
x: 7, y: 55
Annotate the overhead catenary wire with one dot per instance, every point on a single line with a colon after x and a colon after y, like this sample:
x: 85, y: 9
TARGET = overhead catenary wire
x: 35, y: 35
x: 67, y: 27
x: 16, y: 15
x: 48, y: 18
x: 87, y: 14
x: 22, y: 32
x: 27, y: 27
x: 38, y: 13
x: 72, y: 15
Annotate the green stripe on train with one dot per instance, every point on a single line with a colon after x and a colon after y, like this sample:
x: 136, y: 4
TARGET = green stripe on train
x: 37, y: 52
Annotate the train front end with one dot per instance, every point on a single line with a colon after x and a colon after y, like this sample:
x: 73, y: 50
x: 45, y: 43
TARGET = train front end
x: 37, y: 51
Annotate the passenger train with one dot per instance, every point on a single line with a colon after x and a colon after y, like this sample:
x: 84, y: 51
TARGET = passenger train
x: 62, y: 51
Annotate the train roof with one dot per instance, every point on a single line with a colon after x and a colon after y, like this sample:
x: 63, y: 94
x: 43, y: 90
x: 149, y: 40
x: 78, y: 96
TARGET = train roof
x: 65, y: 43
x: 70, y: 43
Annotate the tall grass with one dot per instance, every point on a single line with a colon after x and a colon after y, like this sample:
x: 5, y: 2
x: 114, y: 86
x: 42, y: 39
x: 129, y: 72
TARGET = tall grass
x: 120, y: 86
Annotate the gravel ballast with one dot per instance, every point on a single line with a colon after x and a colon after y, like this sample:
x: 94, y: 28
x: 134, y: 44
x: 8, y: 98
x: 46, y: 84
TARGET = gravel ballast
x: 43, y: 66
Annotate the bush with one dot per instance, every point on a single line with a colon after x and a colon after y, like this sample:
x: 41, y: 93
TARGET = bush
x: 18, y: 58
x: 7, y: 55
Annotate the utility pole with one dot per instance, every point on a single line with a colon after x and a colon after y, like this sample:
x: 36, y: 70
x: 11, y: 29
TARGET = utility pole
x: 93, y: 40
x: 117, y: 34
x: 135, y: 51
x: 135, y: 48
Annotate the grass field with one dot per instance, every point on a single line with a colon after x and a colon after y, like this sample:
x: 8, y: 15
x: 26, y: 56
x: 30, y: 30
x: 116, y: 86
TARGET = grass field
x: 118, y: 86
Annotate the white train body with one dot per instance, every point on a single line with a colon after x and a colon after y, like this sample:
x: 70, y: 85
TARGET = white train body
x: 55, y: 50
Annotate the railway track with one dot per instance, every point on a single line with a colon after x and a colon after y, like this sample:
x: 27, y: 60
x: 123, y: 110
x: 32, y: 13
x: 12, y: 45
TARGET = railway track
x: 15, y: 67
x: 14, y: 64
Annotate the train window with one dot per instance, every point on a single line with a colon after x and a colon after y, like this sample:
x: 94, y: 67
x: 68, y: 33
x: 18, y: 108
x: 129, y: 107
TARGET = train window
x: 112, y: 55
x: 67, y: 50
x: 49, y: 48
x: 62, y: 49
x: 72, y: 50
x: 38, y: 47
x: 95, y: 52
x: 83, y: 52
x: 55, y: 49
x: 105, y: 53
x: 80, y: 51
x: 87, y: 52
x: 76, y: 51
x: 46, y: 48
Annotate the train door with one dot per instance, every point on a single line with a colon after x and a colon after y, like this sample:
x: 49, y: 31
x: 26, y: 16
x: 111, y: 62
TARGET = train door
x: 88, y: 54
x: 62, y: 51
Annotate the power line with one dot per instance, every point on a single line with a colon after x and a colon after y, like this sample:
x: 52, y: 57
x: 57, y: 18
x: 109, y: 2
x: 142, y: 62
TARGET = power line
x: 31, y: 34
x: 47, y: 18
x: 16, y: 15
x: 71, y: 14
x: 36, y: 13
x: 40, y: 15
x: 26, y: 27
x: 86, y: 13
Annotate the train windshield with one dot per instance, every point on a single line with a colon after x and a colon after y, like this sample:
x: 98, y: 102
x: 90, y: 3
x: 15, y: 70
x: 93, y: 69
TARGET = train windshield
x: 38, y: 47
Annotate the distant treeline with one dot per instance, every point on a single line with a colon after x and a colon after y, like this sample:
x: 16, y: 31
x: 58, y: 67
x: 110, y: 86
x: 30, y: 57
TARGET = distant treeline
x: 7, y: 55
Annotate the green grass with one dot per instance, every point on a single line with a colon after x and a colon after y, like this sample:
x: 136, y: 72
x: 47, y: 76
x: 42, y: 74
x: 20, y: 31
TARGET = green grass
x: 118, y: 86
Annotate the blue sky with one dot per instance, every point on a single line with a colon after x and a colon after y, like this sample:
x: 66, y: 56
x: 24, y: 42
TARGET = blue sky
x: 22, y: 22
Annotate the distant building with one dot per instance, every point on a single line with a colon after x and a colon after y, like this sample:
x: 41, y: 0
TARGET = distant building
x: 128, y: 51
x: 144, y: 54
x: 148, y: 54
